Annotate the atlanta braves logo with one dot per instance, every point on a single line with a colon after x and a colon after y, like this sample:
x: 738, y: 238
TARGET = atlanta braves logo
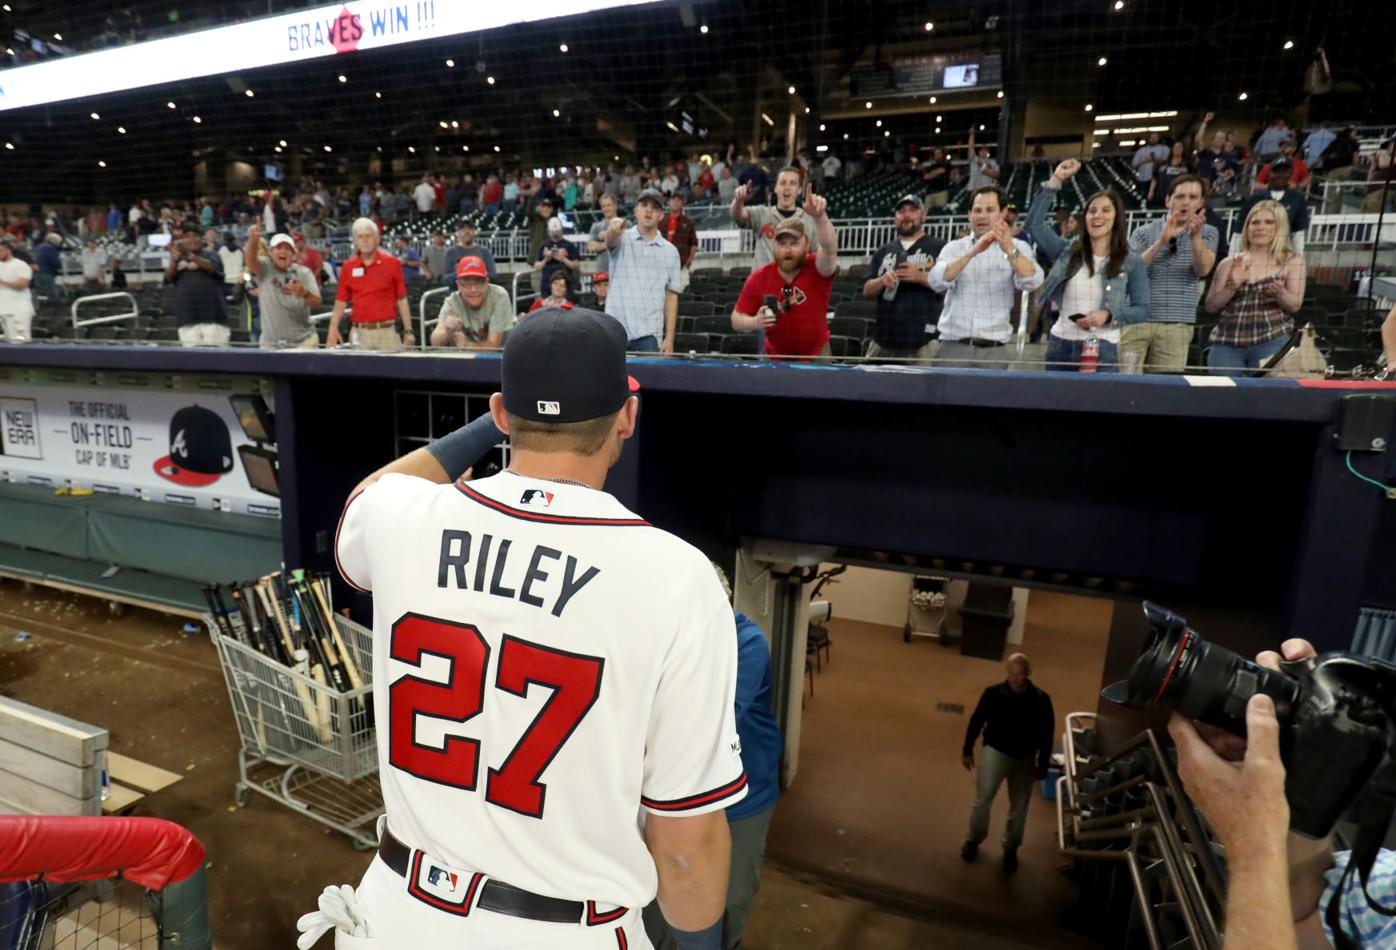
x: 178, y: 447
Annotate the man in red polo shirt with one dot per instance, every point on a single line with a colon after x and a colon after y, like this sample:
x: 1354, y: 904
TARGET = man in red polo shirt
x: 798, y: 282
x: 373, y: 283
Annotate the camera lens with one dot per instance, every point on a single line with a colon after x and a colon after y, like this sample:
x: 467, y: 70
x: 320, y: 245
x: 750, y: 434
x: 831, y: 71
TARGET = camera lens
x: 1179, y: 670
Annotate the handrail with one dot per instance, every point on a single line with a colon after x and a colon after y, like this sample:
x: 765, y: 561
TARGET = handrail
x: 422, y: 312
x: 116, y: 318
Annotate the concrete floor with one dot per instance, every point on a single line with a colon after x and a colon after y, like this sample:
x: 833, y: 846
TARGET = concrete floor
x: 163, y: 698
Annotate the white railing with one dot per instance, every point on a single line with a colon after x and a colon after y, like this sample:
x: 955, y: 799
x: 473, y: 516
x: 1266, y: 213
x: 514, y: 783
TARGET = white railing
x: 422, y: 312
x: 111, y: 318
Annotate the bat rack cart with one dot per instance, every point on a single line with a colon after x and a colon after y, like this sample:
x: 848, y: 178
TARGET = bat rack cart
x: 304, y: 743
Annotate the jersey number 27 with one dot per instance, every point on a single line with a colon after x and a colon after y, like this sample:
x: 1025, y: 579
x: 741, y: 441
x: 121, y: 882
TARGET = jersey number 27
x: 575, y: 681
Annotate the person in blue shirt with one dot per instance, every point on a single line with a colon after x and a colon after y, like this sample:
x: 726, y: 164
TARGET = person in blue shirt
x: 49, y: 265
x: 749, y: 820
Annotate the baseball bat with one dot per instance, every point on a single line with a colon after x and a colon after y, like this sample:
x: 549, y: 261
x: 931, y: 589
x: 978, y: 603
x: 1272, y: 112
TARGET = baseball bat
x: 219, y: 614
x: 326, y: 616
x: 301, y: 665
x: 307, y: 624
x: 305, y: 640
x: 249, y: 619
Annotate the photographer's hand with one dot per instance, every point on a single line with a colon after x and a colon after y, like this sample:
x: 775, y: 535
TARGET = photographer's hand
x: 1245, y: 807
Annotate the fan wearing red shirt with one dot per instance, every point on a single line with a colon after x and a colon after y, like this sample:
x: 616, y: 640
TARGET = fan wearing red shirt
x: 310, y: 258
x: 800, y: 283
x: 372, y: 281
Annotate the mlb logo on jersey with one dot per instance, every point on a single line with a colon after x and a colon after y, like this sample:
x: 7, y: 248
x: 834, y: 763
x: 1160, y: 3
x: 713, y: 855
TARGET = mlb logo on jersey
x: 537, y: 498
x: 440, y: 886
x: 549, y: 408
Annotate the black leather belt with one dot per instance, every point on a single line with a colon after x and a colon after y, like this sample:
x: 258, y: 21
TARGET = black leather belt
x: 495, y: 895
x: 977, y: 344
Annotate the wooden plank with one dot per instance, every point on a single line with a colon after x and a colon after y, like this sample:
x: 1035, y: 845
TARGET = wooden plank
x: 120, y: 799
x: 42, y: 800
x: 139, y: 775
x: 46, y: 770
x: 58, y: 737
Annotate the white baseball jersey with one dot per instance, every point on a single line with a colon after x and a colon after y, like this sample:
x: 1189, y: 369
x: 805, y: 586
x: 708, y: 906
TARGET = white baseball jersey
x: 546, y: 665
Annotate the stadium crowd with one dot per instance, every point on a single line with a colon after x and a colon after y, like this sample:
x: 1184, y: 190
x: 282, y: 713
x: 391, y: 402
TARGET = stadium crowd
x: 1104, y: 297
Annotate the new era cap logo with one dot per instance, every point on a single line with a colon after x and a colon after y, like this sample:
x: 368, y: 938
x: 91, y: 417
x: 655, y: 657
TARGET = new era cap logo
x: 537, y: 498
x: 549, y: 408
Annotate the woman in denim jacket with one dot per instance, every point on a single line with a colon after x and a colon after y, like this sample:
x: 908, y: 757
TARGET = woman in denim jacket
x: 1097, y: 282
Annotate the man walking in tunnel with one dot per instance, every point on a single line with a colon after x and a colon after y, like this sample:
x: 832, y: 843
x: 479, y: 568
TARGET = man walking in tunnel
x: 1017, y: 721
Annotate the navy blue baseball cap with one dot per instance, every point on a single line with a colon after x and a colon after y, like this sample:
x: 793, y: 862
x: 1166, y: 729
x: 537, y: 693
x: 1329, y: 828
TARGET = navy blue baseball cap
x: 565, y: 366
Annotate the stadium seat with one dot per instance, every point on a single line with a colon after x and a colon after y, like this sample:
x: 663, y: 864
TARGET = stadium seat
x: 856, y: 308
x: 696, y: 308
x: 845, y: 346
x: 700, y: 343
x: 712, y: 324
x: 738, y: 344
x: 859, y: 328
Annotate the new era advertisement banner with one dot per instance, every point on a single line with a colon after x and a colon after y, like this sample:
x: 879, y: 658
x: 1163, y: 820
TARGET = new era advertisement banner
x: 159, y: 438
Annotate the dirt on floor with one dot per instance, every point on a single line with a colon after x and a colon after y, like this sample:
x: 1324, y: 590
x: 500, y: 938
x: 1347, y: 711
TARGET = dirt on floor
x: 161, y: 694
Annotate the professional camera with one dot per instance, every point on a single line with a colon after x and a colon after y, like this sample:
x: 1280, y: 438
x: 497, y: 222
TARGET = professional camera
x: 1335, y: 710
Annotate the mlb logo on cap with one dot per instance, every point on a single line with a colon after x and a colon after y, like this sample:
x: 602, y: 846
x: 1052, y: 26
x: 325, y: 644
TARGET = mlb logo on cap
x: 201, y: 451
x: 549, y: 408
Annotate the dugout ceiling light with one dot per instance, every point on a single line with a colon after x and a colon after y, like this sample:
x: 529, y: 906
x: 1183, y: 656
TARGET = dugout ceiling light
x: 557, y: 113
x: 1000, y: 94
x: 169, y: 105
x: 1102, y: 61
x: 490, y: 80
x: 1089, y: 107
x: 1119, y: 5
x: 981, y: 128
x: 328, y: 149
x: 10, y: 146
x: 250, y: 94
x: 121, y: 129
x: 562, y: 48
x: 101, y: 164
x: 58, y: 37
x: 868, y: 104
x: 7, y: 9
x: 821, y: 126
x: 95, y: 116
x: 455, y: 124
x: 496, y: 148
x: 378, y: 95
x: 887, y: 134
x: 933, y: 100
x: 343, y: 78
x: 450, y: 64
x: 1243, y: 97
x: 930, y: 26
x: 412, y: 150
x: 465, y: 148
x: 937, y: 129
x: 878, y: 123
x: 282, y: 143
x: 703, y: 29
x: 277, y: 150
x: 939, y: 119
x: 845, y: 136
x: 790, y: 90
x: 438, y: 148
x: 1289, y: 44
x: 198, y: 120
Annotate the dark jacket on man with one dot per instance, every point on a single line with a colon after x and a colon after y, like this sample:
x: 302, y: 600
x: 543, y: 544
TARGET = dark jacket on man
x: 1020, y: 725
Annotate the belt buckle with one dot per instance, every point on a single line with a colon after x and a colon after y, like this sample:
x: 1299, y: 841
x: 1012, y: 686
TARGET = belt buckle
x: 441, y: 886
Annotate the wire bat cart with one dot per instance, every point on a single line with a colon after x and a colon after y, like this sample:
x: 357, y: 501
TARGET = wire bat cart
x: 304, y: 742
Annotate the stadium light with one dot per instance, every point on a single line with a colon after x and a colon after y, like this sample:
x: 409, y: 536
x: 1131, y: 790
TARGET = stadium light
x: 703, y: 29
x: 380, y: 148
x: 768, y: 120
x: 10, y: 146
x: 1000, y: 95
x: 7, y: 9
x: 868, y: 104
x: 282, y: 143
x: 887, y: 133
x: 981, y: 128
x: 496, y: 148
x: 939, y: 119
x: 845, y: 136
x: 198, y: 120
x: 1289, y: 44
x: 933, y: 100
x: 1102, y: 61
x: 277, y: 150
x: 557, y: 114
x: 806, y: 110
x: 121, y: 129
x: 438, y: 148
x: 1119, y: 5
x: 490, y: 80
x: 343, y: 78
x: 444, y: 124
x: 378, y: 95
x: 821, y: 126
x: 465, y: 148
x: 937, y: 128
x: 1089, y: 107
x: 790, y: 89
x: 412, y: 149
x: 562, y: 48
x: 930, y: 26
x: 450, y: 64
x: 249, y: 94
x: 95, y: 116
x: 101, y: 164
x: 58, y: 37
x: 821, y: 148
x: 328, y: 149
x: 1243, y: 97
x: 455, y: 124
x: 169, y: 105
x: 879, y: 123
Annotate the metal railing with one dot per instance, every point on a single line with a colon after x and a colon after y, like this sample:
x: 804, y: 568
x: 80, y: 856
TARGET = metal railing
x: 110, y: 318
x: 422, y: 321
x: 1129, y: 807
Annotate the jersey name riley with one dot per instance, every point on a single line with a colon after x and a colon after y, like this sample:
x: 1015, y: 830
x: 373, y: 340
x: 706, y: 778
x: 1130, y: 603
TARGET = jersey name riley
x: 550, y: 580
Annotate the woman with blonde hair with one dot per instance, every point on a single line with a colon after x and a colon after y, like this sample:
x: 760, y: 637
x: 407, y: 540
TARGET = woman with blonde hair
x: 1256, y: 292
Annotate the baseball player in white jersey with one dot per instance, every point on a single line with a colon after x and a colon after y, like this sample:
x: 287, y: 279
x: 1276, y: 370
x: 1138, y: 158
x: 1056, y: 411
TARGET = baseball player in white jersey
x: 555, y: 679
